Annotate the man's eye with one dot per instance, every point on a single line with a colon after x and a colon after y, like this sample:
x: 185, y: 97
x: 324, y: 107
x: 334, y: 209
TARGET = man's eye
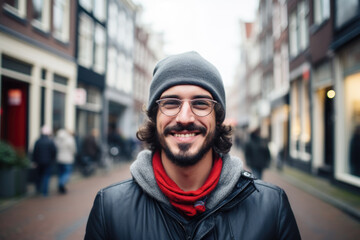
x: 171, y: 103
x: 201, y: 103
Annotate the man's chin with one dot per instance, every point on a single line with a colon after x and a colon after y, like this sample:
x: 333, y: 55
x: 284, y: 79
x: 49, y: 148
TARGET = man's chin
x: 185, y: 158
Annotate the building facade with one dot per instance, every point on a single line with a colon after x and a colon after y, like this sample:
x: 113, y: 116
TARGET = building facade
x: 38, y: 69
x: 313, y: 95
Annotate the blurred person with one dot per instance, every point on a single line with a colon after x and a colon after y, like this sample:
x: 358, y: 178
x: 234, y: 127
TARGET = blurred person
x: 66, y: 150
x: 187, y: 186
x: 90, y: 152
x: 44, y: 157
x: 257, y: 154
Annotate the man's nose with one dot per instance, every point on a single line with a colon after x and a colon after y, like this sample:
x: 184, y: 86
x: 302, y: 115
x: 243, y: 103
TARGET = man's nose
x: 185, y: 116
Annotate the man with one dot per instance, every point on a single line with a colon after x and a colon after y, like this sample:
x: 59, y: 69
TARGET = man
x: 188, y: 186
x: 44, y: 157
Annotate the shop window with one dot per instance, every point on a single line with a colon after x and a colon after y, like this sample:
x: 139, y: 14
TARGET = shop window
x: 59, y: 79
x: 42, y: 107
x: 352, y: 123
x: 43, y: 74
x: 300, y: 121
x: 58, y: 110
x: 16, y: 65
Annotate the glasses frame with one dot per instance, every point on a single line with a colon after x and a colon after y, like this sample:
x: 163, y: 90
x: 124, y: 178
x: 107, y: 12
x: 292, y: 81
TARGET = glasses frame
x: 213, y: 103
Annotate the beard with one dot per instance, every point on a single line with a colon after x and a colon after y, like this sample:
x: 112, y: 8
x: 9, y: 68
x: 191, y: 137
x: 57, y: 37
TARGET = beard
x: 184, y: 158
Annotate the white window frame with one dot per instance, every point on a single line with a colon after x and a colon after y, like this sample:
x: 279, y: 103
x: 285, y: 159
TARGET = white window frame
x: 44, y: 23
x: 63, y: 7
x: 99, y: 54
x: 86, y: 40
x: 20, y: 11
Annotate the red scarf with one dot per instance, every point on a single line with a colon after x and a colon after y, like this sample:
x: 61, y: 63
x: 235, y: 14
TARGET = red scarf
x: 192, y: 202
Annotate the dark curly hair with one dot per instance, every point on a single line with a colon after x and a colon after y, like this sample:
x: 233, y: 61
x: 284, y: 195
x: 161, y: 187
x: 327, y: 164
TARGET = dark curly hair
x: 147, y: 133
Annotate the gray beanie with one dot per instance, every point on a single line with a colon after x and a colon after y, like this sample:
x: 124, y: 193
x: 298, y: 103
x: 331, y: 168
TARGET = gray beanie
x: 186, y: 69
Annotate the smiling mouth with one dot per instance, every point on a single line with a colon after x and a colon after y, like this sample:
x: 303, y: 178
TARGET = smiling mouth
x: 184, y: 135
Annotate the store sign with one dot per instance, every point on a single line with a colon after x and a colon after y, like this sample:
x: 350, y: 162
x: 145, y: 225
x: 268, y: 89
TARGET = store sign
x: 14, y: 97
x: 80, y: 96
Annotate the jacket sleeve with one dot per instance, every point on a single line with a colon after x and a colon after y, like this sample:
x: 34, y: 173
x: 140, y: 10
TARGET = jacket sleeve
x: 287, y: 227
x: 95, y: 228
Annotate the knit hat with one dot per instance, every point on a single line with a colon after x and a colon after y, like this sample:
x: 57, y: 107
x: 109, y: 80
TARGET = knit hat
x: 186, y: 69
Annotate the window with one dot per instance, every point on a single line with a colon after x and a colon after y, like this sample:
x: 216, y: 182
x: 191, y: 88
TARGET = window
x: 283, y: 15
x: 100, y: 10
x: 299, y: 30
x: 345, y: 12
x: 41, y: 14
x: 99, y: 63
x: 111, y: 67
x: 87, y: 5
x: 58, y: 110
x: 300, y: 120
x: 293, y: 35
x: 121, y: 28
x: 303, y: 33
x: 61, y: 19
x: 17, y: 7
x: 85, y: 50
x: 112, y: 21
x: 352, y: 123
x: 321, y: 11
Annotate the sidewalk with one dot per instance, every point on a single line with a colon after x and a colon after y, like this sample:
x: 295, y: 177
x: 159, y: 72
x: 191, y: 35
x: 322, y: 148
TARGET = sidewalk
x: 76, y: 176
x: 343, y: 199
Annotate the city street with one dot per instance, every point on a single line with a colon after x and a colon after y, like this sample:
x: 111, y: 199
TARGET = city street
x: 63, y: 217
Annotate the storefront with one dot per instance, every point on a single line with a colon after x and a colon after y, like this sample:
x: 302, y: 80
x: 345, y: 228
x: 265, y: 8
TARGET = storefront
x: 300, y: 125
x: 347, y: 86
x: 37, y: 88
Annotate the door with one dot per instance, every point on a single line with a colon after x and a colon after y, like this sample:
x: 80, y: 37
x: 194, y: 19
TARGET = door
x: 14, y: 112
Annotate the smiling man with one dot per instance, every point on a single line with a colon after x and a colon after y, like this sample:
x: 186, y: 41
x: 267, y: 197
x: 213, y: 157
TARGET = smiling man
x: 186, y: 185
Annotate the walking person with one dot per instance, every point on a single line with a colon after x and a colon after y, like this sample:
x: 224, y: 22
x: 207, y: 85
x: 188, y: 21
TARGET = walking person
x: 257, y: 154
x: 186, y: 185
x: 66, y: 147
x: 90, y: 152
x: 44, y: 158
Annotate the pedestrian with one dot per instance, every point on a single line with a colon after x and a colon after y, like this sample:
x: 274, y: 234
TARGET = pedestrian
x: 257, y: 154
x: 91, y: 152
x: 66, y: 147
x: 187, y: 186
x: 44, y: 157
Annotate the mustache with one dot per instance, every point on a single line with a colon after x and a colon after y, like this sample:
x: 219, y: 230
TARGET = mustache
x: 180, y: 127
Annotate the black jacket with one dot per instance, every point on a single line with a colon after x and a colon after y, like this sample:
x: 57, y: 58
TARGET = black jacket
x: 253, y: 210
x: 44, y: 152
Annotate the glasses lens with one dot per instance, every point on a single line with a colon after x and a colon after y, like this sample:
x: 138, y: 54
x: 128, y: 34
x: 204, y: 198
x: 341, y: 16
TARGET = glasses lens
x: 202, y: 107
x: 170, y: 107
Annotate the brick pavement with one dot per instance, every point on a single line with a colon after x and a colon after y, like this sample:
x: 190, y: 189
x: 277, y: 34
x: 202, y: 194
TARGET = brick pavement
x: 57, y: 217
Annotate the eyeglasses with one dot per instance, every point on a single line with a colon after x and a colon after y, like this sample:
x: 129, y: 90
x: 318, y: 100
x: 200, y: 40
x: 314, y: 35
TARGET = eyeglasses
x: 200, y: 106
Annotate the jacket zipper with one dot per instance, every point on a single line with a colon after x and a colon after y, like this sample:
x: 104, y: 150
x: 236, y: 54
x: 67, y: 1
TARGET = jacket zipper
x: 222, y: 204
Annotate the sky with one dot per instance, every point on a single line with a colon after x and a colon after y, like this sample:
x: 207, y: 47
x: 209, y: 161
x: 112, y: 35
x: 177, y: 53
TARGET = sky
x: 210, y: 27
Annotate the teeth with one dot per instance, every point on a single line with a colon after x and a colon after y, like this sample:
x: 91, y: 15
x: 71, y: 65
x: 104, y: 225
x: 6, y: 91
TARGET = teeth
x: 185, y: 135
